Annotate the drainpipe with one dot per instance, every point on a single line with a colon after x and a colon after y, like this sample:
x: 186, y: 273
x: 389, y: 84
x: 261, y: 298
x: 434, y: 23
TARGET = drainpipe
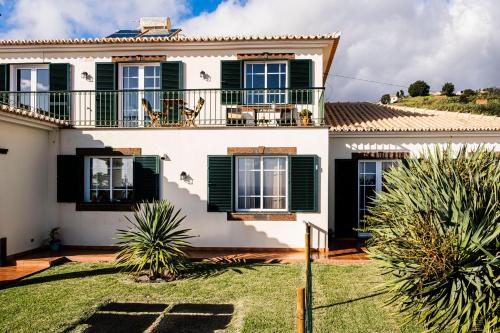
x: 3, y: 251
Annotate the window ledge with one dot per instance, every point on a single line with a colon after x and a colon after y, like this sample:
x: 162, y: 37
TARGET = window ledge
x: 104, y: 207
x: 278, y: 216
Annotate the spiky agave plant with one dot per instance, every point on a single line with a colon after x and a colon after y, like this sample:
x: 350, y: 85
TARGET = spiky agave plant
x: 436, y: 232
x: 154, y: 242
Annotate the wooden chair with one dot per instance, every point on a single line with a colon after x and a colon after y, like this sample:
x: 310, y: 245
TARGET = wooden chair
x: 154, y: 116
x: 191, y: 114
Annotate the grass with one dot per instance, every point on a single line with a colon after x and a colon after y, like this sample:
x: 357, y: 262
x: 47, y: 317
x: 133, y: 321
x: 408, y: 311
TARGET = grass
x: 260, y: 298
x: 453, y: 103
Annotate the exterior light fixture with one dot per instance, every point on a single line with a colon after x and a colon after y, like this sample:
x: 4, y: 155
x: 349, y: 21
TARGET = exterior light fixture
x: 86, y: 76
x: 186, y: 178
x: 165, y: 157
x: 204, y: 76
x: 184, y: 175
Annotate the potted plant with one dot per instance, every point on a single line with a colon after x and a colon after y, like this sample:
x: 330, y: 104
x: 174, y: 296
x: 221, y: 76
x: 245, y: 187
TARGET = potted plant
x: 54, y: 241
x: 305, y: 117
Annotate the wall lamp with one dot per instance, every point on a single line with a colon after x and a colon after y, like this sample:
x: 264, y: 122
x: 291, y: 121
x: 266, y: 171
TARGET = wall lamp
x: 186, y: 178
x: 205, y: 76
x: 86, y: 76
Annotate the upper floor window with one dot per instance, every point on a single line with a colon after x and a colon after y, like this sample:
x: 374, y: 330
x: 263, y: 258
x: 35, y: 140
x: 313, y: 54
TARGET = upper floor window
x: 109, y: 179
x: 261, y: 183
x: 30, y: 83
x: 271, y: 77
x: 139, y: 81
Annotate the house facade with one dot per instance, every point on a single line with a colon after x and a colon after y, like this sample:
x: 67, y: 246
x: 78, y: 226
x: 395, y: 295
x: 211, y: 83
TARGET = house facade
x: 212, y: 124
x: 235, y: 131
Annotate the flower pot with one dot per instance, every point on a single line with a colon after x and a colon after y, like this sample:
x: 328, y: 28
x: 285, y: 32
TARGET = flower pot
x: 305, y: 121
x: 55, y: 246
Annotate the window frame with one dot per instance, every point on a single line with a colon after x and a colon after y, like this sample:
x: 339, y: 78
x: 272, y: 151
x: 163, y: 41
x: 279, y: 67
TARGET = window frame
x: 87, y: 198
x: 261, y: 209
x: 34, y: 93
x: 266, y: 89
x: 141, y: 118
x: 378, y: 187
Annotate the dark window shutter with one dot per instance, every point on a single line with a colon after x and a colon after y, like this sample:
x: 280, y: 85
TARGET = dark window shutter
x: 4, y: 83
x: 304, y: 174
x: 220, y: 183
x: 172, y: 79
x: 106, y: 103
x: 59, y: 85
x: 300, y: 81
x: 70, y: 178
x: 346, y: 197
x: 231, y: 81
x: 146, y: 178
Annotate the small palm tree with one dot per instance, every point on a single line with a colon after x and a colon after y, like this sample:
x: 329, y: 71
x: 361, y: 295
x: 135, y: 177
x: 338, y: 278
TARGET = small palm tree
x: 154, y: 242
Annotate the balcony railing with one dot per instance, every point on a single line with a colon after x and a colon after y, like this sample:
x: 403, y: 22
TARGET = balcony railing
x: 176, y: 108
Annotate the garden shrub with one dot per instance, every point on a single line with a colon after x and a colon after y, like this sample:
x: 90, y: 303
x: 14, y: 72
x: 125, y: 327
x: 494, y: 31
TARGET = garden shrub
x: 435, y: 230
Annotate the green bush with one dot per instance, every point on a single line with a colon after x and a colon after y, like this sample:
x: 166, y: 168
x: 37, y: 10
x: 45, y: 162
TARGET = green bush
x: 419, y: 88
x: 385, y: 99
x: 448, y: 89
x: 154, y: 242
x: 436, y: 229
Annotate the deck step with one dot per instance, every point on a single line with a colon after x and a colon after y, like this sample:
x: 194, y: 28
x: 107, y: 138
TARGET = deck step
x: 40, y: 262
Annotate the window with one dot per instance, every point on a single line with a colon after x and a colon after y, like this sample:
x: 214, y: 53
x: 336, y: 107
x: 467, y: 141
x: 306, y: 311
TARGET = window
x: 31, y: 82
x: 271, y: 77
x: 145, y: 79
x: 261, y: 183
x: 109, y: 179
x: 370, y: 180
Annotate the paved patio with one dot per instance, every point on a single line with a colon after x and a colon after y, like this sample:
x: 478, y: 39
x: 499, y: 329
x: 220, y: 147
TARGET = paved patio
x: 342, y: 253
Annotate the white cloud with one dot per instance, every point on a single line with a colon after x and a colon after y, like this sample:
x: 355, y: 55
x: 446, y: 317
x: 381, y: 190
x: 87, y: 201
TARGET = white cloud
x: 396, y: 41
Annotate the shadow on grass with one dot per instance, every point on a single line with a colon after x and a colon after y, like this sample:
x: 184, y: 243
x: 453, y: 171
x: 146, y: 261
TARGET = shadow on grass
x: 139, y: 317
x: 218, y: 266
x: 350, y: 300
x: 62, y: 276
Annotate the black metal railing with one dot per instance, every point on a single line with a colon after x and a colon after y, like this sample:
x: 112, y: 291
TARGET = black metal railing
x: 175, y: 108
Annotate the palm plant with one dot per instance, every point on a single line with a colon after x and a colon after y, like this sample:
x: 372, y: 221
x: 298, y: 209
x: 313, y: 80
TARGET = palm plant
x: 154, y: 242
x: 436, y: 233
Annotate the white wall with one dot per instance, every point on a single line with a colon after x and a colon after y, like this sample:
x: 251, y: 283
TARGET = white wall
x: 27, y: 188
x: 342, y: 147
x: 187, y: 150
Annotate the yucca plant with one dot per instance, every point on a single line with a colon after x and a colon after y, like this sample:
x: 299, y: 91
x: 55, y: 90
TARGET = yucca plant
x: 154, y: 242
x: 435, y: 230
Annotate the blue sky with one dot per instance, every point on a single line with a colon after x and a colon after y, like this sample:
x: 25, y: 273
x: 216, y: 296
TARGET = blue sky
x: 392, y: 41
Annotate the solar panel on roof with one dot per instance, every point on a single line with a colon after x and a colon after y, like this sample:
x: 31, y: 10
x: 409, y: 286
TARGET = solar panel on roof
x: 137, y: 33
x: 124, y: 34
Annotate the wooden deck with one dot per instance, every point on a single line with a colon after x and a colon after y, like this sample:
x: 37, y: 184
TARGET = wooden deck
x: 40, y: 260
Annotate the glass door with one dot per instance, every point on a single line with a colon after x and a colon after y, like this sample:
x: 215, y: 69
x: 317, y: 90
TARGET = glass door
x: 32, y: 85
x: 139, y: 82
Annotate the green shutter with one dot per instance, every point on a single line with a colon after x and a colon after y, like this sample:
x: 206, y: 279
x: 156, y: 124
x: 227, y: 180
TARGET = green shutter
x: 346, y: 197
x: 172, y: 79
x: 60, y: 85
x: 146, y: 178
x: 303, y: 182
x: 220, y: 183
x: 70, y: 178
x: 231, y: 81
x: 106, y: 102
x: 4, y: 83
x: 300, y: 81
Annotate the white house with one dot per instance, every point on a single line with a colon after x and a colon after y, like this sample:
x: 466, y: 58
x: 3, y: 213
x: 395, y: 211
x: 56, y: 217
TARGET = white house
x: 235, y: 131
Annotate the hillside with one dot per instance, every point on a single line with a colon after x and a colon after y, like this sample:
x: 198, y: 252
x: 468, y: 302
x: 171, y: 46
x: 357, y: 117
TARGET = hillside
x: 480, y: 103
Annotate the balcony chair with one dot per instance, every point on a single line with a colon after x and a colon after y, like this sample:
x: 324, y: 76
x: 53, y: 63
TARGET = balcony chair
x: 153, y: 116
x: 191, y: 114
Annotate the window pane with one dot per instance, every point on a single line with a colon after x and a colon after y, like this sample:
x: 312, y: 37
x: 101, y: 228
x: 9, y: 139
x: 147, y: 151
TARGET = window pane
x: 99, y: 196
x: 274, y: 183
x: 274, y: 203
x: 369, y: 167
x: 122, y: 195
x: 367, y: 179
x: 42, y: 79
x: 252, y: 203
x: 99, y: 168
x: 252, y: 183
x: 24, y: 79
x: 273, y: 68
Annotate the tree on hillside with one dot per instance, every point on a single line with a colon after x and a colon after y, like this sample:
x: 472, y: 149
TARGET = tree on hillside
x: 401, y: 93
x: 419, y: 88
x: 385, y: 99
x: 448, y: 89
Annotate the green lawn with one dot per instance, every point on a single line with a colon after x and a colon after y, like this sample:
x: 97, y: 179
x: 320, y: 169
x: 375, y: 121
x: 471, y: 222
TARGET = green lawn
x: 257, y: 298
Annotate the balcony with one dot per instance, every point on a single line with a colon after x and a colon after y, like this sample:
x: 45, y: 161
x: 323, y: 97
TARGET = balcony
x: 176, y: 108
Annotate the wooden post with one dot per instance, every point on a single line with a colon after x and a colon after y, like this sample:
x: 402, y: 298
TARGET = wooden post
x: 301, y: 318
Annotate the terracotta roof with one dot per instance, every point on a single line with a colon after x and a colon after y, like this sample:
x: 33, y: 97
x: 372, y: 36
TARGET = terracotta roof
x: 369, y: 117
x: 175, y: 39
x: 9, y: 110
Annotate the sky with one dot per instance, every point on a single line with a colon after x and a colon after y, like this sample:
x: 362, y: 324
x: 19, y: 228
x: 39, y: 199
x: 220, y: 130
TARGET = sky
x: 390, y: 41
